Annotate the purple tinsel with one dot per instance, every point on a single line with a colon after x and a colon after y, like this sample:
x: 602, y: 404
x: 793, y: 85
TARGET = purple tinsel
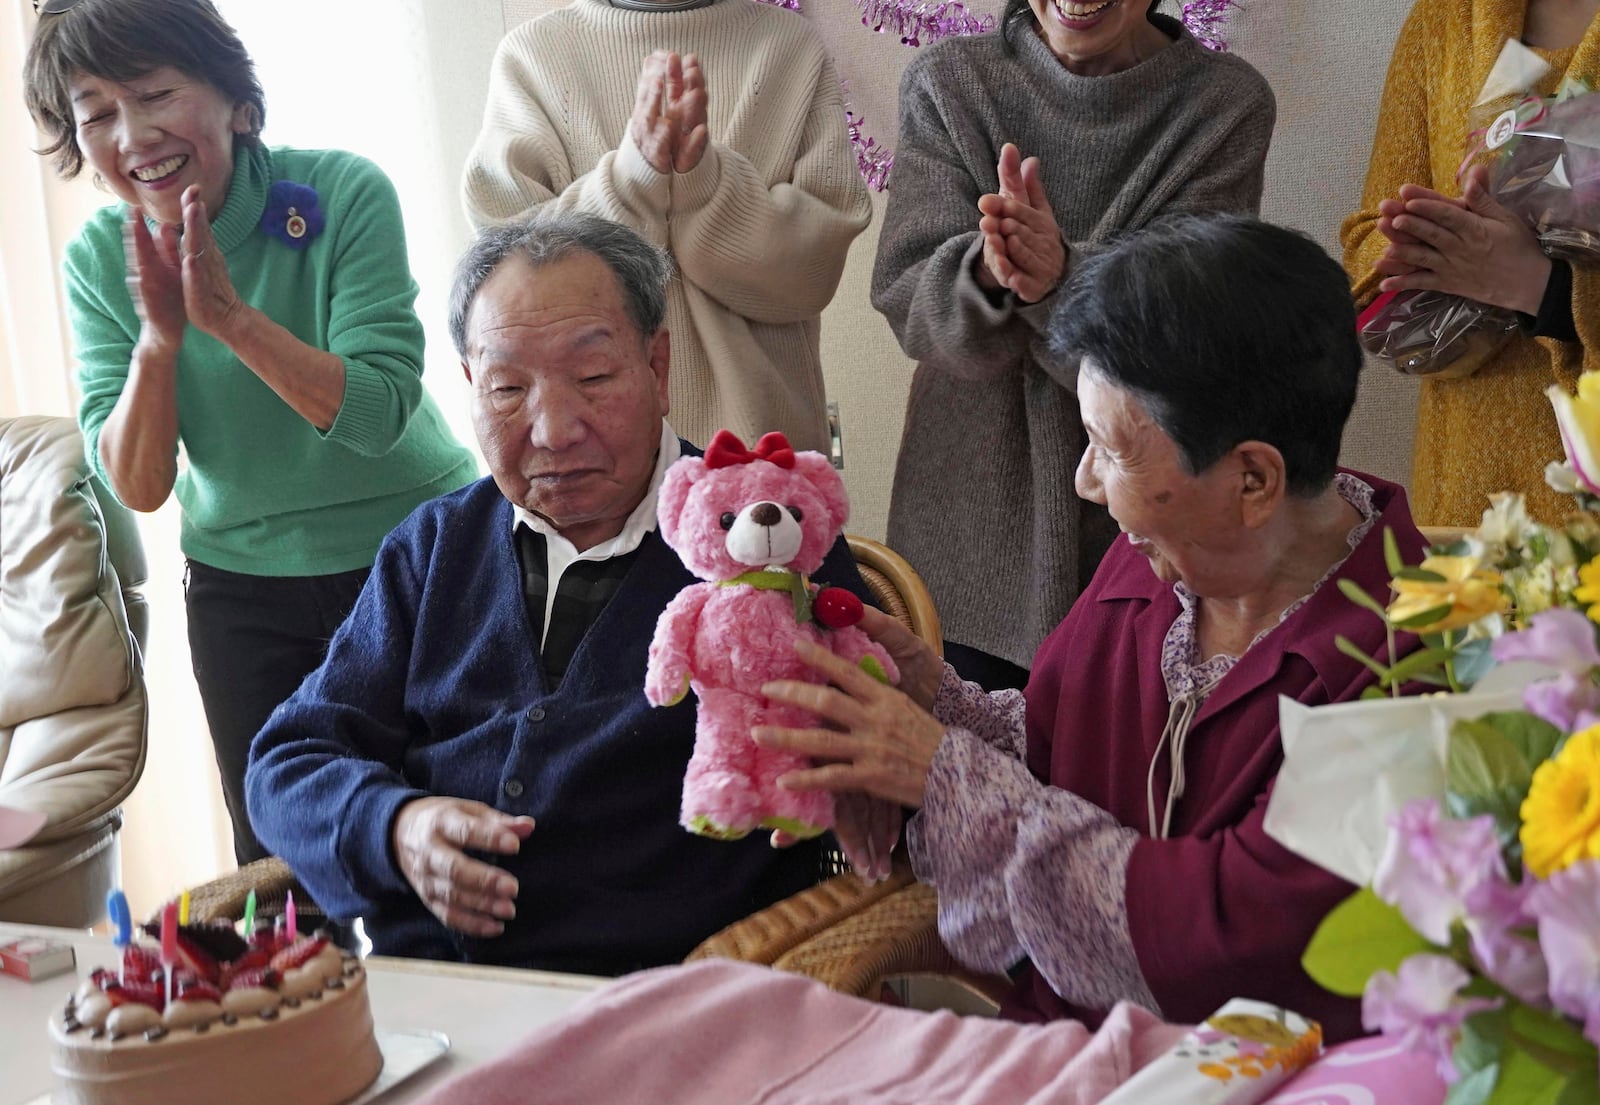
x: 874, y: 161
x: 789, y: 5
x: 920, y: 22
x: 1205, y: 18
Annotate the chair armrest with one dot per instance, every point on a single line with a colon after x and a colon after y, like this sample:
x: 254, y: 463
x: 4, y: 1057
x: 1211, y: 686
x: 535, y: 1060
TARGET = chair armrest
x: 764, y: 936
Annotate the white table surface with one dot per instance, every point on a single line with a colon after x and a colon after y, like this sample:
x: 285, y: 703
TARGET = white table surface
x: 484, y: 1010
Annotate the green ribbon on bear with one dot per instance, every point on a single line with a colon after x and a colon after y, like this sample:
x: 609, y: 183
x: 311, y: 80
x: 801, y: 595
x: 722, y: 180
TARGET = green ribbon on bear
x: 779, y: 579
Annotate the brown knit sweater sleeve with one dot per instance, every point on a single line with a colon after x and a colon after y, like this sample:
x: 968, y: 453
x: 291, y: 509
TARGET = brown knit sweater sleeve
x: 1401, y: 149
x: 1186, y: 132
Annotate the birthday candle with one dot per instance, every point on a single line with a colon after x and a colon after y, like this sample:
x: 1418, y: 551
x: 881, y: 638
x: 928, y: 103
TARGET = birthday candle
x: 249, y: 914
x: 288, y: 914
x: 169, y: 944
x: 183, y: 908
x: 117, y: 913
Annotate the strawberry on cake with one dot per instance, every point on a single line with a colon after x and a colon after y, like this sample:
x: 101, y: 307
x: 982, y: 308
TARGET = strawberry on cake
x: 278, y: 1018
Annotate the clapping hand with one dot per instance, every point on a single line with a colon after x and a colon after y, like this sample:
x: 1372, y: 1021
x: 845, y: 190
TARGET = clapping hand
x: 155, y: 282
x: 208, y: 293
x: 1472, y: 247
x: 669, y: 112
x: 1022, y: 246
x: 430, y: 839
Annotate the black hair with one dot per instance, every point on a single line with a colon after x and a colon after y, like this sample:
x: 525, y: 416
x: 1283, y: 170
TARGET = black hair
x: 122, y: 40
x: 1227, y: 329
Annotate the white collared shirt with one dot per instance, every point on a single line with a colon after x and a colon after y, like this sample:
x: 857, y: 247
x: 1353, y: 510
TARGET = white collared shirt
x: 561, y: 553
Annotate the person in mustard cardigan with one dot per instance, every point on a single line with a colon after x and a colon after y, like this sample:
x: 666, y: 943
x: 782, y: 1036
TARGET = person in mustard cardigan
x: 1417, y: 228
x: 252, y: 306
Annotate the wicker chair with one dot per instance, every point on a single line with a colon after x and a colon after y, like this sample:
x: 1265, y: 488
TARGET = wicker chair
x: 842, y: 932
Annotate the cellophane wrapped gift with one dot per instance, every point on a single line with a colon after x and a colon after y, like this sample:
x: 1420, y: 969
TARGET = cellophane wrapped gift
x: 1543, y: 160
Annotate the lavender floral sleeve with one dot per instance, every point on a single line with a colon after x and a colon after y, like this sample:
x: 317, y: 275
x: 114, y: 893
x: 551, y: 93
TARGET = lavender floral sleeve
x: 1022, y: 869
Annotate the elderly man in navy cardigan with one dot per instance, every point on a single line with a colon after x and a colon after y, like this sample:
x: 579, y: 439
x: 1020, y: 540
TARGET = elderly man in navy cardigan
x: 474, y: 770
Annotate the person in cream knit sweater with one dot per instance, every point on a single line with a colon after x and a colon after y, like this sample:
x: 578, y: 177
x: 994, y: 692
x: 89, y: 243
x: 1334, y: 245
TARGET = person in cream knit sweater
x: 714, y: 128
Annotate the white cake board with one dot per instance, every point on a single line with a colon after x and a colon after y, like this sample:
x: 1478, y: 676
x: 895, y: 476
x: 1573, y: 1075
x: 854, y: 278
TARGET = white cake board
x: 404, y: 1054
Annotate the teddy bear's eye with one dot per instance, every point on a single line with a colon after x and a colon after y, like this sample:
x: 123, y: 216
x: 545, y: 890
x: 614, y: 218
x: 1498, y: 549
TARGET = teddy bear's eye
x: 796, y: 512
x: 727, y: 519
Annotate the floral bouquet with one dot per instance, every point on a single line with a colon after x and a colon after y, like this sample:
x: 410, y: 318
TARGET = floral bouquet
x: 1543, y: 160
x: 1478, y: 940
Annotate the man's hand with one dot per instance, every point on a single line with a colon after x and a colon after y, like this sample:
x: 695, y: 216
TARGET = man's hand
x: 652, y: 126
x: 431, y: 837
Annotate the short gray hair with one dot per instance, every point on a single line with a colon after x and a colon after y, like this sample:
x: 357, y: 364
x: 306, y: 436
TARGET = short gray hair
x: 642, y: 270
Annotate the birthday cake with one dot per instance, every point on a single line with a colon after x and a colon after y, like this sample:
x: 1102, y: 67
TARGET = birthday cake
x: 279, y: 1018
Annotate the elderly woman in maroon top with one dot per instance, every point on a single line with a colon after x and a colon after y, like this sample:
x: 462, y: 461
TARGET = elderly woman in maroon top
x: 1105, y: 825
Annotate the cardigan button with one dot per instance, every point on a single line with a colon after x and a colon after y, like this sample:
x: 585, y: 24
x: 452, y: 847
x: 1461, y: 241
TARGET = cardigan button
x: 513, y: 788
x: 536, y: 713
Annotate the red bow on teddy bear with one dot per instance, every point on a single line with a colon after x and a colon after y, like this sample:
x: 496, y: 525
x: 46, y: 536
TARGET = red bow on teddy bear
x: 727, y: 450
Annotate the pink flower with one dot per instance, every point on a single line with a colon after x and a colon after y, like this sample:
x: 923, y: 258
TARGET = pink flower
x: 1496, y: 909
x: 1568, y: 908
x: 1431, y: 865
x: 1560, y: 638
x: 1419, y: 1004
x: 1569, y: 702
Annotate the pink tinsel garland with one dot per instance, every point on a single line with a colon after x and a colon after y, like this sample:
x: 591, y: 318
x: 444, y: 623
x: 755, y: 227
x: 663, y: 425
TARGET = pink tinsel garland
x: 1205, y: 18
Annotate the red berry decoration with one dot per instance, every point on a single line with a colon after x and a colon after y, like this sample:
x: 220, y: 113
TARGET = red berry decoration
x: 298, y: 953
x: 836, y: 608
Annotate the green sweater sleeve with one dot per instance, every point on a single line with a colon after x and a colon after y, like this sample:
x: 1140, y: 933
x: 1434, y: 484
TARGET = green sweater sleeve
x: 104, y: 332
x: 372, y: 321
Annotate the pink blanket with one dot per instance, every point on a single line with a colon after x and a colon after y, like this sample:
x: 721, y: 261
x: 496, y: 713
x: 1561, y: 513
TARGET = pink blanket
x: 725, y: 1033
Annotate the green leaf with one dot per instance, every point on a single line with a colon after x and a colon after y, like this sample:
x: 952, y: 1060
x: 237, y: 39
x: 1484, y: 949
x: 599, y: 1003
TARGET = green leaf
x: 1526, y: 1081
x: 1351, y: 649
x: 1534, y: 737
x: 1414, y: 664
x: 1482, y: 761
x: 1419, y: 575
x: 1474, y: 658
x: 1391, y: 552
x: 1423, y: 619
x: 1475, y: 1088
x: 1361, y: 936
x: 1356, y: 594
x: 1483, y: 1035
x: 1581, y: 1089
x: 1374, y: 692
x: 1553, y: 1032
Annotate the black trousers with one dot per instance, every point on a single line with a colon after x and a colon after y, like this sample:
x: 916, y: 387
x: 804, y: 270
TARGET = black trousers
x: 252, y: 640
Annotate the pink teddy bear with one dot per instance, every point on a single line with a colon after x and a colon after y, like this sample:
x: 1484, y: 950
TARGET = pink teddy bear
x: 753, y: 524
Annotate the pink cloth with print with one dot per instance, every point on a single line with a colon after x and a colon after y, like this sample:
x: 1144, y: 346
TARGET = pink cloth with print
x: 725, y: 1033
x: 1373, y: 1071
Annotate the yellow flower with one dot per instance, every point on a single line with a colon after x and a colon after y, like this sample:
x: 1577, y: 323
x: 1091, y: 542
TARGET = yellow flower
x: 1464, y: 594
x: 1561, y: 815
x: 1589, y: 591
x: 1578, y: 419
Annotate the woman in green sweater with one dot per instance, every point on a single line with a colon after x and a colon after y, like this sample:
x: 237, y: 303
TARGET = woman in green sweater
x: 254, y: 306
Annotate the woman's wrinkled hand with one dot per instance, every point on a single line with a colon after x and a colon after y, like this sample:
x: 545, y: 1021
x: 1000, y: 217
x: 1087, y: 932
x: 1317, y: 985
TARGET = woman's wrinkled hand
x: 431, y: 837
x: 208, y: 293
x: 883, y: 746
x: 867, y: 830
x: 1472, y: 247
x: 1022, y: 246
x: 921, y: 670
x: 155, y: 282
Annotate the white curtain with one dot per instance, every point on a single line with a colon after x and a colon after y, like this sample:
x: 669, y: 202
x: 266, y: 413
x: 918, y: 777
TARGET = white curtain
x: 401, y: 83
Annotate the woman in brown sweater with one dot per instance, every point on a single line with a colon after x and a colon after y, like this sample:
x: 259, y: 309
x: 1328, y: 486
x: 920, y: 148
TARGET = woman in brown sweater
x: 1019, y: 150
x: 1492, y: 430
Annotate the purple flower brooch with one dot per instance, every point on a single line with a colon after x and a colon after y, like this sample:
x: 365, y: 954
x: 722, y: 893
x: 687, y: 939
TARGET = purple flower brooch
x: 294, y: 214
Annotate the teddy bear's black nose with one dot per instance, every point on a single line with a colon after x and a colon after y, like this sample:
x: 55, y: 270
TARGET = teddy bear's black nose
x: 766, y: 514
